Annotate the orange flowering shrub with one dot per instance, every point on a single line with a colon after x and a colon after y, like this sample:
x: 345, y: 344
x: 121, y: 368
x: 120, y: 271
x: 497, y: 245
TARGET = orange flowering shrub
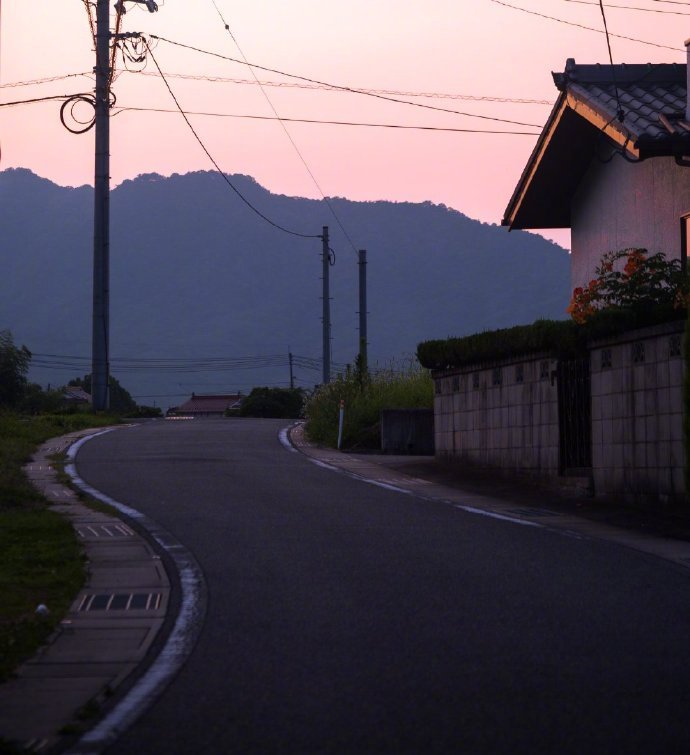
x: 643, y: 281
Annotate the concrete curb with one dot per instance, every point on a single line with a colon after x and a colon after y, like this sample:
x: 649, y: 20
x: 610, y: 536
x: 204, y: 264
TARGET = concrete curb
x: 381, y: 471
x: 111, y: 629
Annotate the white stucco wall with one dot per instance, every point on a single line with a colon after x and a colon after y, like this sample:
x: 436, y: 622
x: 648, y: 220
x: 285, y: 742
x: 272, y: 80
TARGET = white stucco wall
x: 621, y: 204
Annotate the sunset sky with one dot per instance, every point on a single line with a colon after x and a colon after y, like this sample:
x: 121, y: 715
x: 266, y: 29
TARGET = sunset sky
x: 464, y: 49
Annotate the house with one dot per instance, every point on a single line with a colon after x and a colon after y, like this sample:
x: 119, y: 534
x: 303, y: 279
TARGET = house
x: 209, y: 405
x: 612, y: 163
x: 74, y: 395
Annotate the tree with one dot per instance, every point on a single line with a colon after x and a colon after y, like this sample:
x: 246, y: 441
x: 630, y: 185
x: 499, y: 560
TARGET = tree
x: 14, y: 366
x: 121, y: 400
x: 281, y: 403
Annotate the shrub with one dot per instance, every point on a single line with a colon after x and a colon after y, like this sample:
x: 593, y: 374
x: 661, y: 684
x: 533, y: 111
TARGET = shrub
x: 407, y: 388
x: 281, y: 403
x: 630, y: 279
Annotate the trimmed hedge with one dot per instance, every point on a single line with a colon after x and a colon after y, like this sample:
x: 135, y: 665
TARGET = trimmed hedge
x: 561, y: 338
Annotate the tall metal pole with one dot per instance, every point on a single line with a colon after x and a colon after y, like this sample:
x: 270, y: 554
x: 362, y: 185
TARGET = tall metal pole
x: 363, y: 358
x: 326, y: 260
x: 101, y: 219
x: 292, y: 376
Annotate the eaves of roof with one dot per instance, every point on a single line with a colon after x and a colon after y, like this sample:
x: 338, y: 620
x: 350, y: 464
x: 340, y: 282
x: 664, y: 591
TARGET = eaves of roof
x: 585, y: 122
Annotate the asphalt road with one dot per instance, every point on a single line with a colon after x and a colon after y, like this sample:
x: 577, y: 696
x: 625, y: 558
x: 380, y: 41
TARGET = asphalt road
x: 345, y: 618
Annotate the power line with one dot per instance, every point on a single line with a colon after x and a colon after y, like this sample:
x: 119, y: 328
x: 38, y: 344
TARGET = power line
x: 287, y: 132
x: 217, y: 167
x: 329, y: 88
x: 353, y: 90
x: 40, y: 99
x: 582, y: 26
x: 632, y: 7
x: 619, y: 110
x: 118, y: 110
x: 46, y: 80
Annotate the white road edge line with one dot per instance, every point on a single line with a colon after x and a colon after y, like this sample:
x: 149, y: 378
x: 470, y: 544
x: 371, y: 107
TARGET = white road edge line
x: 180, y: 642
x: 285, y: 440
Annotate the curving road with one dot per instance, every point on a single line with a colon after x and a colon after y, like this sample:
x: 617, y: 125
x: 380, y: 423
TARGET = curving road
x: 345, y: 618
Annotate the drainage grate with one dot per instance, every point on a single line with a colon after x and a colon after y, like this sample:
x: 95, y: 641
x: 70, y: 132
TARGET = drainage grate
x: 140, y: 601
x: 104, y: 530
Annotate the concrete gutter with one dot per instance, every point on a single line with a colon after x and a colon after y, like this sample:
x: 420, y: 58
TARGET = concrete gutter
x: 124, y: 636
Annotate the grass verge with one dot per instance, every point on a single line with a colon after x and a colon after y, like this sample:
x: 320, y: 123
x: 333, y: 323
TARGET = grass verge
x: 41, y: 561
x: 410, y: 387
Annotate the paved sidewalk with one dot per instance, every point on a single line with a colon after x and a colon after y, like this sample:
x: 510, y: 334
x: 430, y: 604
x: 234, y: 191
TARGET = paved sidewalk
x: 662, y: 534
x: 107, y: 632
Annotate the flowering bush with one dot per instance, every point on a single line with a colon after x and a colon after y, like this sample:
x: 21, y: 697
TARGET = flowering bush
x: 631, y: 279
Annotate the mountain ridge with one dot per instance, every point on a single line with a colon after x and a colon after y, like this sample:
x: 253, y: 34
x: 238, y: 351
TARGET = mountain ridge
x: 194, y: 272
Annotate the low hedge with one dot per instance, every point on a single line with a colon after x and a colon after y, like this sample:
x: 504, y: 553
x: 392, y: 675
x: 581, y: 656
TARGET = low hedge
x: 561, y: 338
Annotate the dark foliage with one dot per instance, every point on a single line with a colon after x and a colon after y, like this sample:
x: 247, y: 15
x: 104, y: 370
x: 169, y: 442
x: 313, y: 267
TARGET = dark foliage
x: 281, y: 403
x: 121, y: 402
x: 14, y: 365
x: 561, y: 338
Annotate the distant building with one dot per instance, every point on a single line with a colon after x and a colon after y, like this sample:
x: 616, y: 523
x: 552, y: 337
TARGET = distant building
x: 209, y: 405
x: 74, y: 395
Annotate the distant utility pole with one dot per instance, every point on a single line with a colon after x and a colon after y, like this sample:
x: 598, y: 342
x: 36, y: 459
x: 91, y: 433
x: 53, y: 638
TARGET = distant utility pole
x: 101, y: 219
x: 292, y: 377
x: 326, y: 260
x: 363, y: 358
x: 100, y: 338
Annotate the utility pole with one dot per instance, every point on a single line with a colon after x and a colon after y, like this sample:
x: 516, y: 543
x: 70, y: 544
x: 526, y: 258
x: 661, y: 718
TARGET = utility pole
x: 363, y: 358
x: 326, y: 260
x: 100, y: 331
x: 292, y: 377
x: 101, y: 220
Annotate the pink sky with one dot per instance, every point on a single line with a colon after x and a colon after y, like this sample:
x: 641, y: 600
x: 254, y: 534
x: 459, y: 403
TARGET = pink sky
x: 465, y: 47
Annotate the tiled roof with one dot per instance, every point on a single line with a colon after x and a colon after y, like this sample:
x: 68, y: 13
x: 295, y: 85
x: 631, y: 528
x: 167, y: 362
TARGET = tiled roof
x: 652, y: 96
x: 75, y: 393
x: 586, y: 124
x: 208, y: 404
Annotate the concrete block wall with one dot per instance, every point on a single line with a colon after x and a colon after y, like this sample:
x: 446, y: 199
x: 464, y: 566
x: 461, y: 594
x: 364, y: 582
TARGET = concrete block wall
x: 501, y: 415
x: 637, y: 414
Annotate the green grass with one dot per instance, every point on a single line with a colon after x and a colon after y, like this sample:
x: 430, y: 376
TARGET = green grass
x: 408, y: 388
x: 41, y: 560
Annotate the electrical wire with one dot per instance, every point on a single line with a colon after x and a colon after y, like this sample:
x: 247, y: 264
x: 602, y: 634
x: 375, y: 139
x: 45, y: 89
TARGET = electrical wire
x: 328, y: 88
x: 631, y: 7
x: 217, y: 167
x: 282, y: 122
x: 181, y: 365
x: 46, y: 80
x: 353, y: 90
x: 619, y: 110
x: 582, y: 26
x: 33, y: 100
x: 125, y: 108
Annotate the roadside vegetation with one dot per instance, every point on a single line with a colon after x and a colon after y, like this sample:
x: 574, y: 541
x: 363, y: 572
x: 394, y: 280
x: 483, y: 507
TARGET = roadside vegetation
x: 280, y: 403
x: 365, y: 395
x: 41, y: 560
x: 632, y: 289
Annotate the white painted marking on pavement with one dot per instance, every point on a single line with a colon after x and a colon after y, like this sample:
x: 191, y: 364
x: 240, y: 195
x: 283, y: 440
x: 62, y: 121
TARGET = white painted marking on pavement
x: 284, y: 437
x: 494, y: 515
x: 177, y: 647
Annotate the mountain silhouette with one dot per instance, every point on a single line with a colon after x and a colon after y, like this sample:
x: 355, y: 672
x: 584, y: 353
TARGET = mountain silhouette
x: 196, y: 274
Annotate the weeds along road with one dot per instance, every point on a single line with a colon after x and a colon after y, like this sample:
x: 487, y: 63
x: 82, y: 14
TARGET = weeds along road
x: 345, y: 618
